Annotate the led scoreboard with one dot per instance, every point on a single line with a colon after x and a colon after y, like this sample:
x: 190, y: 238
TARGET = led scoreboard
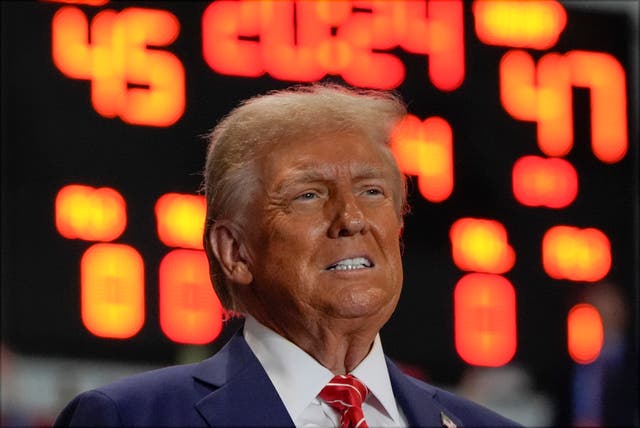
x: 520, y: 145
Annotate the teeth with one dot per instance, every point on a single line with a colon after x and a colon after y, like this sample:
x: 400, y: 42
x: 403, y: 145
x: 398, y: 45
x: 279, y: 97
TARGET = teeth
x: 351, y: 264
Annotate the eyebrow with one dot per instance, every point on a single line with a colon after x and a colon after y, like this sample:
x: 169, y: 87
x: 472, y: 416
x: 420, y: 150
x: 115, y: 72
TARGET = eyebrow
x: 368, y: 171
x: 300, y: 175
x: 303, y: 174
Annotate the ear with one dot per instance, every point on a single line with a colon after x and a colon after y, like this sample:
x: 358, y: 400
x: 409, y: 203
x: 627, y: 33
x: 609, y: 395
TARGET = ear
x: 229, y: 250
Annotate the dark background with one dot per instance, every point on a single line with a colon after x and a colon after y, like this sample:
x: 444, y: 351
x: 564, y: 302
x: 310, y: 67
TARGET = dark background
x: 51, y: 137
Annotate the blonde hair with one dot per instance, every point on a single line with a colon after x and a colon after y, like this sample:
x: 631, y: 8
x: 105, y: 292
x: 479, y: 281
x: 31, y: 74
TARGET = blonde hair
x: 297, y: 113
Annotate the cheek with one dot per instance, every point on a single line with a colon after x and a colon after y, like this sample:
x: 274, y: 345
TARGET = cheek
x: 390, y: 232
x: 299, y: 235
x: 288, y: 245
x: 389, y: 228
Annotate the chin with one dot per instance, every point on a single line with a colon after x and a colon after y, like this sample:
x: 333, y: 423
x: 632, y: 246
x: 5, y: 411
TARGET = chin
x: 371, y: 303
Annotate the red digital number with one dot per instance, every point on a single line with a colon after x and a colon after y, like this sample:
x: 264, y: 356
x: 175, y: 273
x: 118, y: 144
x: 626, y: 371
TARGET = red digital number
x: 305, y: 40
x: 117, y: 57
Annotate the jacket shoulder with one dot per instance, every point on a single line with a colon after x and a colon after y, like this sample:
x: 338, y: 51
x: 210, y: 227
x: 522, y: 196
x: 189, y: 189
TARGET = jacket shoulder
x: 470, y: 414
x: 163, y: 397
x: 156, y: 397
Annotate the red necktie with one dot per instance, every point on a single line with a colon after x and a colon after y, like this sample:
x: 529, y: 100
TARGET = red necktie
x: 345, y: 393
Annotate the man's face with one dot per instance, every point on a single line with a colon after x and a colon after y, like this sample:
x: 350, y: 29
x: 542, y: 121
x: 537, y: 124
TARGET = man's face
x: 323, y: 232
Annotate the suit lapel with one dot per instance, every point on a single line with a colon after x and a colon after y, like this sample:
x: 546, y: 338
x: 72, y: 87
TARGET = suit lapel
x: 418, y: 401
x: 242, y: 393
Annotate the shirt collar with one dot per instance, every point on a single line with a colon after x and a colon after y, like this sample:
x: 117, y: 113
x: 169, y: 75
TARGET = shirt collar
x: 373, y: 372
x: 298, y: 377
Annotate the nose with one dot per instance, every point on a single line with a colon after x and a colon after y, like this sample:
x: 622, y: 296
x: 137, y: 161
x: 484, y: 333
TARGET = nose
x: 348, y: 218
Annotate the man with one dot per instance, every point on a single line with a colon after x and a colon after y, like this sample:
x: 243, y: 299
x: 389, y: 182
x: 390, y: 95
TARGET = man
x: 305, y: 211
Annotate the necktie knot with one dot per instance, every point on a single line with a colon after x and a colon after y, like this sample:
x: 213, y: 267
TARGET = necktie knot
x: 345, y: 393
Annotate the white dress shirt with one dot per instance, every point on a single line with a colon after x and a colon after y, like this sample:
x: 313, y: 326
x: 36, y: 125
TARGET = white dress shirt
x: 298, y: 379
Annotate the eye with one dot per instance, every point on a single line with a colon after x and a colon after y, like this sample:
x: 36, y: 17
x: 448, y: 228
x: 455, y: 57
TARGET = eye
x: 307, y: 196
x: 373, y: 191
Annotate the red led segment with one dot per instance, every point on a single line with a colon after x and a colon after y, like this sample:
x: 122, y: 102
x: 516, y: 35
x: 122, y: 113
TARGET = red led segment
x: 520, y: 24
x: 302, y: 51
x: 425, y: 149
x: 87, y: 2
x: 112, y: 290
x: 576, y: 254
x: 481, y: 245
x: 190, y: 311
x: 142, y: 86
x: 543, y: 94
x: 485, y: 319
x: 223, y: 22
x: 606, y: 78
x: 180, y: 220
x: 305, y: 40
x: 434, y: 28
x: 84, y: 212
x: 517, y: 85
x: 585, y: 333
x: 537, y: 181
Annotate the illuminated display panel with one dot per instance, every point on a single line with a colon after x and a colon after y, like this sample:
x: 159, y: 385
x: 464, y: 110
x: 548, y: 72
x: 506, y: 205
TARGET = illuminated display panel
x: 479, y: 107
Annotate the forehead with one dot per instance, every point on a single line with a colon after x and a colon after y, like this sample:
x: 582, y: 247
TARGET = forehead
x: 326, y: 157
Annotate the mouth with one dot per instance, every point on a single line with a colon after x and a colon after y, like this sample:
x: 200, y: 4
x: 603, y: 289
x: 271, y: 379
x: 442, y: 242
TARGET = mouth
x: 355, y: 263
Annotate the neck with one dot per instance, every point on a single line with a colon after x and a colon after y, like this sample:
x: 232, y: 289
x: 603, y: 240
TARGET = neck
x: 339, y: 345
x: 340, y: 353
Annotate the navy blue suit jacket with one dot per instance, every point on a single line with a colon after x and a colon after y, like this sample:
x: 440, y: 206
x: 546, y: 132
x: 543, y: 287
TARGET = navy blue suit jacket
x: 231, y: 389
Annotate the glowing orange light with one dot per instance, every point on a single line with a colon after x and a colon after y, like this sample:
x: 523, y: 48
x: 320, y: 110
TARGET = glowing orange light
x: 112, y: 290
x: 223, y: 22
x: 190, y: 311
x: 520, y: 24
x: 289, y: 51
x: 305, y: 40
x: 70, y: 33
x: 585, y: 333
x: 87, y: 2
x: 108, y: 93
x: 425, y: 149
x: 540, y: 94
x: 180, y: 220
x: 84, y: 212
x: 481, y: 245
x: 517, y: 85
x: 543, y: 94
x: 367, y: 34
x: 485, y: 319
x: 606, y: 78
x: 576, y: 254
x: 434, y: 28
x: 142, y: 86
x: 550, y: 182
x: 554, y: 105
